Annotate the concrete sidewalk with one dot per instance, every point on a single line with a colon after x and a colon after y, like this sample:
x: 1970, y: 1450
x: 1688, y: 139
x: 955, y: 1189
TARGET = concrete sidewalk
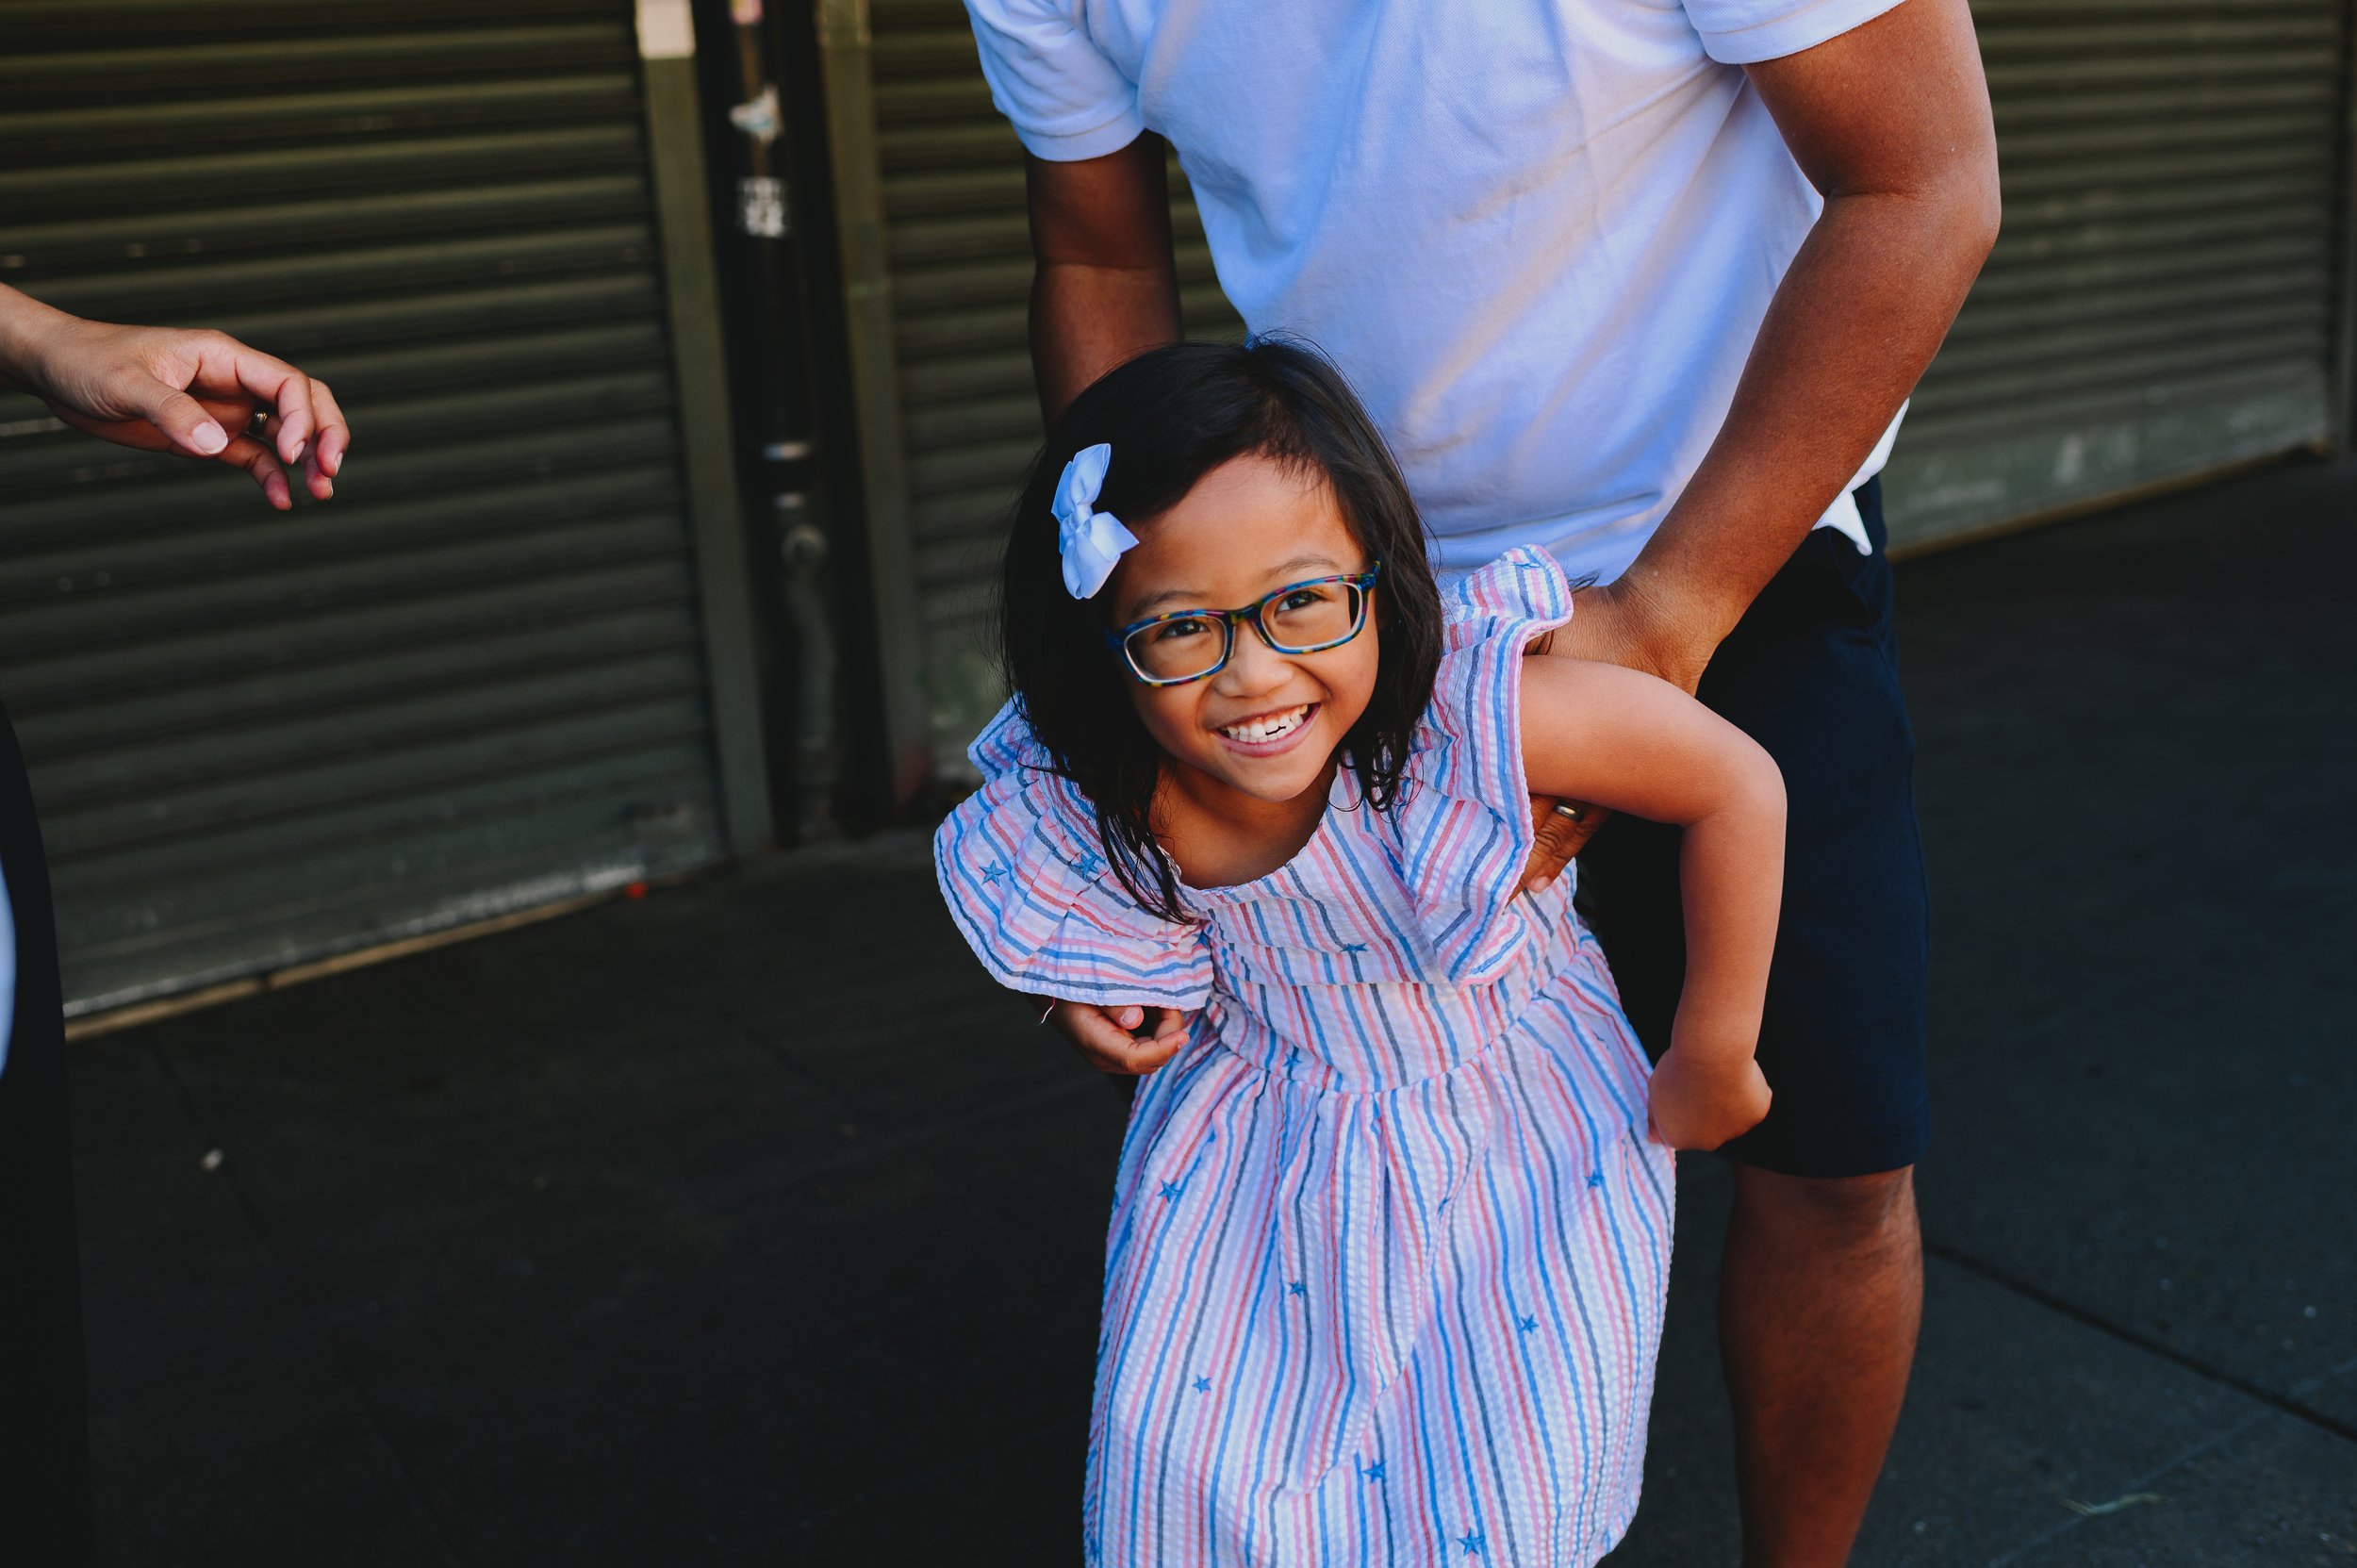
x: 748, y: 1223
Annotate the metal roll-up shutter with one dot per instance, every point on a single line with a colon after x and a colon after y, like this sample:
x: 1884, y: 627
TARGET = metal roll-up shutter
x: 472, y: 682
x: 2160, y: 301
x: 959, y: 246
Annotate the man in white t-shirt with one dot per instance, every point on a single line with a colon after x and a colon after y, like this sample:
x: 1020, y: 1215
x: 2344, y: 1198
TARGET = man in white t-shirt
x: 1646, y: 282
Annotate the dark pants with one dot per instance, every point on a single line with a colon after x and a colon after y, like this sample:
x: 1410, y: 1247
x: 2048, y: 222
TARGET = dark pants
x: 44, y: 1435
x: 1812, y: 674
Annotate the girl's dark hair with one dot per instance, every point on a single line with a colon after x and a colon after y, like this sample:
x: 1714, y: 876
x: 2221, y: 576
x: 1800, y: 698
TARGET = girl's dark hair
x: 1172, y: 416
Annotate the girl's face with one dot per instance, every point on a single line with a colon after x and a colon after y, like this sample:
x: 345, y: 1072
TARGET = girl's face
x: 1268, y: 725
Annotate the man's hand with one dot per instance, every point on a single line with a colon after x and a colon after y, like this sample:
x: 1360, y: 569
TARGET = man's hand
x: 1559, y: 830
x: 172, y: 390
x: 1620, y: 623
x: 1890, y: 123
x: 1909, y: 179
x: 1122, y: 1040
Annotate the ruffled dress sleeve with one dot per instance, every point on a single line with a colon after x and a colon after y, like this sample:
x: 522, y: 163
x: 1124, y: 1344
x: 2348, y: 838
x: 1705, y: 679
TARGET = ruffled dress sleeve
x: 1025, y: 876
x: 1465, y: 822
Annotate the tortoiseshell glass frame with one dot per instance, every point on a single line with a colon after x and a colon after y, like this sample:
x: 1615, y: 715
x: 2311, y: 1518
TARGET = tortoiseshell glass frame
x: 1362, y: 585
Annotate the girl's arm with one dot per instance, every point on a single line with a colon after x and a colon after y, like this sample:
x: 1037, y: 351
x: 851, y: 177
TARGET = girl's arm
x: 1629, y: 742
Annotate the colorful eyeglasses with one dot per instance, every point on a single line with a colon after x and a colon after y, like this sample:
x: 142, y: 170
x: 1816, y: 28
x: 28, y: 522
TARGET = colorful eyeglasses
x: 1300, y: 617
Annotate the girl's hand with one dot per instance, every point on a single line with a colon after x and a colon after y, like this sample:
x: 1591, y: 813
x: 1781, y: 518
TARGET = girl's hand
x: 1123, y: 1040
x: 1700, y: 1101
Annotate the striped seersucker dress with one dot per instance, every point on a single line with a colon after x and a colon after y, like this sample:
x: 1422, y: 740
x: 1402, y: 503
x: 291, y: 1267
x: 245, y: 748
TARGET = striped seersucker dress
x: 1390, y: 1245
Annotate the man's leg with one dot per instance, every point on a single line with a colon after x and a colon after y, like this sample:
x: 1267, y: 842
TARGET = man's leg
x: 1823, y: 1282
x: 1819, y: 1293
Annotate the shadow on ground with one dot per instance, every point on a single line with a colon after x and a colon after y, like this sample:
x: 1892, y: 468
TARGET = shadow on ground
x: 746, y: 1224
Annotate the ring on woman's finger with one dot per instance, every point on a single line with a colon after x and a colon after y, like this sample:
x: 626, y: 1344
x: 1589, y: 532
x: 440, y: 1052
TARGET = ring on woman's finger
x: 1570, y: 811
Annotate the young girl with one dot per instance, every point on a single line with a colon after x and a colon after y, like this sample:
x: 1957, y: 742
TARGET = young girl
x: 1391, y: 1233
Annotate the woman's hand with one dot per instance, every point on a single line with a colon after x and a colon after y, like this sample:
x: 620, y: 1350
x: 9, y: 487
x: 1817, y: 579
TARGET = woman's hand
x: 1121, y: 1040
x: 170, y: 389
x: 1701, y: 1100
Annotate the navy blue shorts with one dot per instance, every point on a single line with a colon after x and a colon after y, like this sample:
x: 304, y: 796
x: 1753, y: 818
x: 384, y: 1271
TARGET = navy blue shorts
x: 1812, y: 674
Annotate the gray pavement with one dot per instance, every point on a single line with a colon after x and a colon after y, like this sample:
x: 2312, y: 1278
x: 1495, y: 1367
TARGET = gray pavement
x: 746, y: 1223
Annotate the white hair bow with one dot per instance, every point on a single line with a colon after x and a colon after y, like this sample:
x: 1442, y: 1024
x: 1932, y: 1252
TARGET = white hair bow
x: 1091, y: 541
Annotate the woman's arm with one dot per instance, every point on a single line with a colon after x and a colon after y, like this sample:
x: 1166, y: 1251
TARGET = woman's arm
x: 162, y: 389
x: 1629, y: 742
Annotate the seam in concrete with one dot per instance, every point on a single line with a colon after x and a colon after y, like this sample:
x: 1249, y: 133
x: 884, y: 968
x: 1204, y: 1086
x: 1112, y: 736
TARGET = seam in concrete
x: 91, y: 1025
x: 2289, y: 1404
x: 2149, y: 1478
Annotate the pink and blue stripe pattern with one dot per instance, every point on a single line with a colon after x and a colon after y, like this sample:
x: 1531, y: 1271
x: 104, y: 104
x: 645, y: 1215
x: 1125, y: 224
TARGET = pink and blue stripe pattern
x: 1389, y: 1245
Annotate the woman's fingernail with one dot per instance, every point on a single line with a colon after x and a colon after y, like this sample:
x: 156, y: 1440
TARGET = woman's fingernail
x: 1543, y: 884
x: 209, y: 438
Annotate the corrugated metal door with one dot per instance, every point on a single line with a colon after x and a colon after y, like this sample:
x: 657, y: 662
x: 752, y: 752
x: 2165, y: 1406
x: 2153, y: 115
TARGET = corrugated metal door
x: 475, y: 681
x: 2160, y: 301
x: 959, y: 247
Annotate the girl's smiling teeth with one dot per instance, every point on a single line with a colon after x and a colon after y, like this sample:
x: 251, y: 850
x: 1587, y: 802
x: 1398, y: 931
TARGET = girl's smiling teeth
x: 1267, y: 727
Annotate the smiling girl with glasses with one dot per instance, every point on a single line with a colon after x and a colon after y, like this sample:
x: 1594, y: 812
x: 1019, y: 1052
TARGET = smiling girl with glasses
x: 1391, y: 1233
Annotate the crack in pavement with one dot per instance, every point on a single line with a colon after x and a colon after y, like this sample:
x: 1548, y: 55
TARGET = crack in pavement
x: 2289, y: 1404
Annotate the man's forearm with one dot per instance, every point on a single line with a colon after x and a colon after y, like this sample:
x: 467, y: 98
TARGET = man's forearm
x: 1107, y: 288
x: 1087, y: 319
x: 1890, y: 121
x: 1859, y: 315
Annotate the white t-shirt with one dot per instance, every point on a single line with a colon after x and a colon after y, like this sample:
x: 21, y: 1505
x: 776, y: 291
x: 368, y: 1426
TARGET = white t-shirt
x: 1538, y: 235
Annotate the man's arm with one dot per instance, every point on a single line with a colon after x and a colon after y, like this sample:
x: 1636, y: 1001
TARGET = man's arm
x: 1105, y: 290
x: 1106, y: 287
x: 1890, y: 123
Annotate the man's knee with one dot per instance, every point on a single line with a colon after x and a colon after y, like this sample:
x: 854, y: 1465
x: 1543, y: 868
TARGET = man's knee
x: 1861, y: 1213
